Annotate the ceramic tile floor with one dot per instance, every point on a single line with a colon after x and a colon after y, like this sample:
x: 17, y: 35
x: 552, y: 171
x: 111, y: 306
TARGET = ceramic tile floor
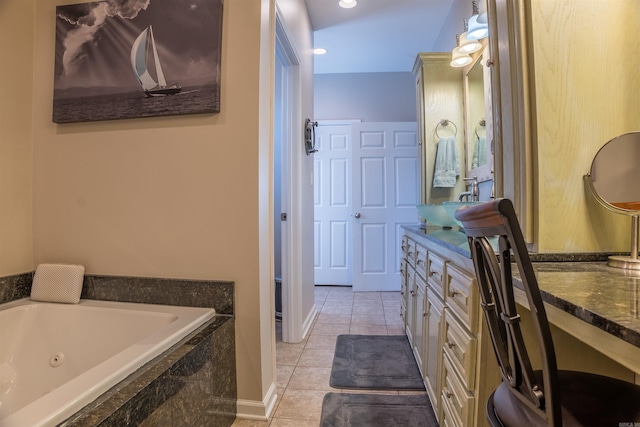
x: 303, y: 369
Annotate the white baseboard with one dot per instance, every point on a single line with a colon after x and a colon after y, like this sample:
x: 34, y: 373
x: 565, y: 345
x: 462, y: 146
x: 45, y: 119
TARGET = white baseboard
x: 256, y: 410
x: 261, y: 411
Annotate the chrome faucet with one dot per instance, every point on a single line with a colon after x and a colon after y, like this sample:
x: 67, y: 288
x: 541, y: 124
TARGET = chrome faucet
x: 472, y: 194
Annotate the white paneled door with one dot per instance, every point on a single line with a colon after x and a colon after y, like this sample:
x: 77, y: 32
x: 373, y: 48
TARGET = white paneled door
x: 385, y: 194
x: 378, y: 176
x: 332, y: 201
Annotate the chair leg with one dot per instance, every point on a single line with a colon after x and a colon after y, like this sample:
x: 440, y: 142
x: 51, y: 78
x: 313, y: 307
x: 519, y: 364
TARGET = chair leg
x: 491, y: 413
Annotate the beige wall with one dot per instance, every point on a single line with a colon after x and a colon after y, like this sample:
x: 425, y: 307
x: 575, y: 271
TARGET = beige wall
x: 16, y: 45
x: 175, y: 197
x: 586, y: 54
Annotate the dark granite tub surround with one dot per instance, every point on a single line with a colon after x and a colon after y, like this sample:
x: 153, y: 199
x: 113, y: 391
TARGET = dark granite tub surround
x: 194, y: 382
x: 15, y: 287
x: 191, y: 384
x: 193, y: 293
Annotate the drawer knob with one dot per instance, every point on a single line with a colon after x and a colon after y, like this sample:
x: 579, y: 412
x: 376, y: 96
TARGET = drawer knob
x: 447, y: 393
x: 453, y: 293
x: 450, y: 344
x: 413, y: 293
x: 424, y: 314
x: 419, y: 261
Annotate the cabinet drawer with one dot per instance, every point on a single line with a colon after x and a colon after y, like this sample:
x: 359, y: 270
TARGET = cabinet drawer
x: 462, y: 297
x: 409, y: 250
x: 448, y: 419
x: 421, y: 260
x: 411, y: 305
x: 461, y: 347
x: 435, y: 273
x: 455, y: 396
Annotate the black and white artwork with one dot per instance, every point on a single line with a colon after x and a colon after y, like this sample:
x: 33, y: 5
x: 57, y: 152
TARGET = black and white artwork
x: 119, y: 59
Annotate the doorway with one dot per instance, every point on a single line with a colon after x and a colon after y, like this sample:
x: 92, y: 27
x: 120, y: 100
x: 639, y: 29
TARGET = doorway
x: 366, y: 189
x: 287, y: 217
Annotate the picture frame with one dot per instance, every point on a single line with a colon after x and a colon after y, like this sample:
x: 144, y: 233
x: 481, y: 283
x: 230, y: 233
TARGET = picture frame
x: 140, y: 58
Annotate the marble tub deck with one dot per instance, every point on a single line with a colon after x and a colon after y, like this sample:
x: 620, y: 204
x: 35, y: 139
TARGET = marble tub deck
x: 192, y: 383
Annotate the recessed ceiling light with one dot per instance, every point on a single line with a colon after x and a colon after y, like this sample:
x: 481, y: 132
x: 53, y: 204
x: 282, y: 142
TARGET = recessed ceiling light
x: 319, y: 51
x: 347, y: 4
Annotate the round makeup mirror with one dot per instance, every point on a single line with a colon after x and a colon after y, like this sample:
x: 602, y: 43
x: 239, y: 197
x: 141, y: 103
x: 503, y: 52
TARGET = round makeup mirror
x: 614, y: 180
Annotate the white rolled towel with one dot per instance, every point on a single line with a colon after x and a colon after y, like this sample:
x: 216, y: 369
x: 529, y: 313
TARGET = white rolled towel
x: 58, y: 283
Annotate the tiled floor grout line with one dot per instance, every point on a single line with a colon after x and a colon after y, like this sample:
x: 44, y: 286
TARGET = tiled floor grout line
x: 300, y: 410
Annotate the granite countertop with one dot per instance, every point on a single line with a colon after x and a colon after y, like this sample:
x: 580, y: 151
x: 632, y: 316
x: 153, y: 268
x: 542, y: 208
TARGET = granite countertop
x: 580, y: 284
x: 605, y: 297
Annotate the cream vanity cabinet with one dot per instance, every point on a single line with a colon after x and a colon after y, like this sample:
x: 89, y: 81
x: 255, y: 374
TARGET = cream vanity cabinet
x: 443, y: 323
x: 439, y: 97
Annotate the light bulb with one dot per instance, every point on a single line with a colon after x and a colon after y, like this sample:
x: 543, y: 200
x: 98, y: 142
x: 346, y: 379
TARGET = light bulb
x: 459, y: 59
x: 477, y: 30
x: 347, y: 4
x: 467, y: 45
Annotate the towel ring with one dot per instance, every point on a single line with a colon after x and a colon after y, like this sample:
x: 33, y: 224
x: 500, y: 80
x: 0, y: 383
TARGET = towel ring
x: 445, y: 123
x: 481, y: 124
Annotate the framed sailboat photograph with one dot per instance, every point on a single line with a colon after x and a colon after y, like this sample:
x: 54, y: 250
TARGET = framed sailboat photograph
x: 141, y: 58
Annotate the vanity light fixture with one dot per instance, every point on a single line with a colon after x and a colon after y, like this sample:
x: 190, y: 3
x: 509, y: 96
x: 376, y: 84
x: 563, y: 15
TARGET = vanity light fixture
x: 467, y: 45
x: 482, y: 13
x: 459, y: 58
x: 477, y: 29
x: 347, y: 4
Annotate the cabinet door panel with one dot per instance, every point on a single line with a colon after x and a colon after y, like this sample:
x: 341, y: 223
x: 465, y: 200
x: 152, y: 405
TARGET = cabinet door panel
x: 420, y: 314
x: 411, y: 303
x: 433, y: 348
x: 403, y: 292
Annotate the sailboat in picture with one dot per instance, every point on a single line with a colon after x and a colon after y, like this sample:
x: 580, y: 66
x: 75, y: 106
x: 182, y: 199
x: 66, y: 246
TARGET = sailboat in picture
x: 143, y: 47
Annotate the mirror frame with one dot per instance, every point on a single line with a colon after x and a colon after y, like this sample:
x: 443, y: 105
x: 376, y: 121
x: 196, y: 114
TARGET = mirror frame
x: 631, y: 262
x: 485, y: 171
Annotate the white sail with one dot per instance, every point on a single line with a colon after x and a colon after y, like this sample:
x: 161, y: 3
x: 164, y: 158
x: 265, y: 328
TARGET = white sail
x: 161, y: 81
x: 139, y: 55
x: 139, y: 61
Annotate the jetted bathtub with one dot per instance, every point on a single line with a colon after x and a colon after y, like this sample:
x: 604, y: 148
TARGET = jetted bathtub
x: 57, y: 358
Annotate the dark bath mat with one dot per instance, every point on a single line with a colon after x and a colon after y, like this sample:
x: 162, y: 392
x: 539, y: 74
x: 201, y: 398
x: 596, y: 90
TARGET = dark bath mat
x: 377, y: 410
x: 375, y: 362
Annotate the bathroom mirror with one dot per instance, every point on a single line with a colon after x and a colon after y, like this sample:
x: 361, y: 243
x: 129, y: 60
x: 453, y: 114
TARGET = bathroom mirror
x: 478, y: 135
x: 613, y: 180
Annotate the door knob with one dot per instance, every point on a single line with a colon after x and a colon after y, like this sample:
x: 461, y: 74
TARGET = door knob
x: 357, y: 215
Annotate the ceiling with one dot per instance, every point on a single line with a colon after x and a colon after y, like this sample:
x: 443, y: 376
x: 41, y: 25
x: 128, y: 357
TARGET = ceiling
x: 376, y: 35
